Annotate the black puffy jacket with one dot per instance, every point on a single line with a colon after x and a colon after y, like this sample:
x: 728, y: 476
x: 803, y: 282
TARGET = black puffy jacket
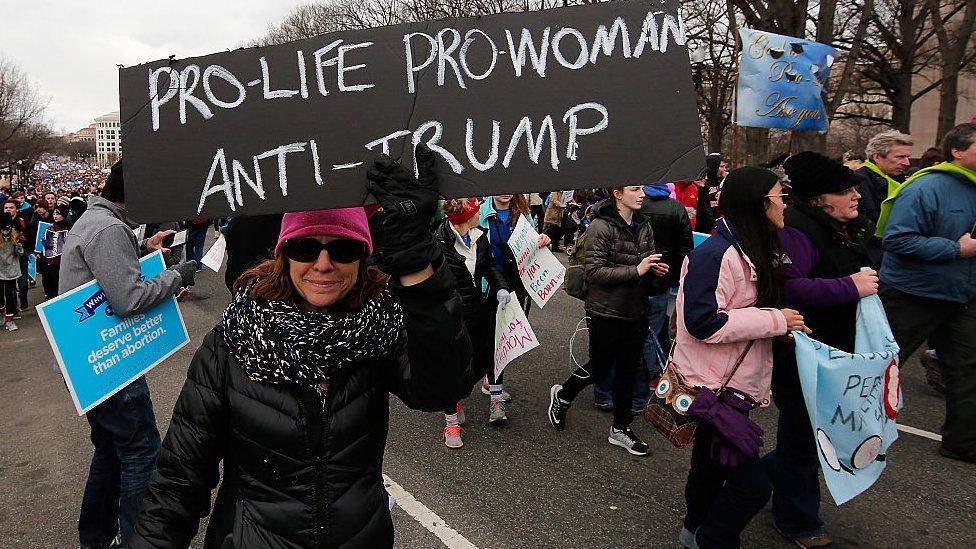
x: 612, y: 251
x: 299, y: 469
x: 470, y: 287
x: 479, y: 307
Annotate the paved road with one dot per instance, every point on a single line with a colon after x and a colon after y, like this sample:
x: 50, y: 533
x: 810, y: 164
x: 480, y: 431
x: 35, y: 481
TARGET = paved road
x: 523, y: 485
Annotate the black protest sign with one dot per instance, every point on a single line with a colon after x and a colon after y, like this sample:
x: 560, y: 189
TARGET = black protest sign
x: 570, y: 98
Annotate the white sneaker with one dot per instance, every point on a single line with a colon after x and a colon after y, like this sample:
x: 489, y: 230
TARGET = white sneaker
x: 11, y: 326
x: 496, y: 412
x: 627, y: 439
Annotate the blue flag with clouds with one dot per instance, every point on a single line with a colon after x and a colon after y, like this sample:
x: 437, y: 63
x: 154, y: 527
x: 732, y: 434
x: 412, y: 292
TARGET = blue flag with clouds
x: 852, y: 400
x: 781, y: 79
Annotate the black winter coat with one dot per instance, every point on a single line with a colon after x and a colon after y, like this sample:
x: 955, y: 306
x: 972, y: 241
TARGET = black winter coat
x: 479, y: 308
x: 250, y: 240
x: 468, y: 286
x: 842, y: 253
x: 611, y: 254
x: 299, y: 469
x: 672, y: 237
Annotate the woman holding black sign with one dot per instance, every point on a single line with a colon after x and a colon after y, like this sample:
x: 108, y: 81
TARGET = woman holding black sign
x: 291, y: 390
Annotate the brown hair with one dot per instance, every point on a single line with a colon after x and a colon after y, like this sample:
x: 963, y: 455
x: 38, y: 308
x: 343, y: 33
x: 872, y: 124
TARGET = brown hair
x: 455, y: 205
x: 270, y: 280
x: 519, y: 206
x: 14, y: 235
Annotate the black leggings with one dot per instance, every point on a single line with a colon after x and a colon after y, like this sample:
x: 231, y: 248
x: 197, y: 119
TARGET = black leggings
x: 49, y: 278
x: 8, y: 296
x: 612, y: 341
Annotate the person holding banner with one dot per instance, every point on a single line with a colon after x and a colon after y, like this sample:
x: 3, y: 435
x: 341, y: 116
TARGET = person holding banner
x: 291, y: 390
x: 53, y: 246
x: 101, y: 246
x: 43, y: 213
x: 482, y: 289
x: 619, y: 261
x: 500, y: 214
x: 827, y: 241
x: 727, y: 313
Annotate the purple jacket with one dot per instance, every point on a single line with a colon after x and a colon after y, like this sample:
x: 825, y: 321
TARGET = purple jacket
x: 805, y: 292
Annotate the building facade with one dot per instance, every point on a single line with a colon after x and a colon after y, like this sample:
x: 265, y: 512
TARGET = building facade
x: 86, y: 134
x: 108, y: 143
x: 925, y: 111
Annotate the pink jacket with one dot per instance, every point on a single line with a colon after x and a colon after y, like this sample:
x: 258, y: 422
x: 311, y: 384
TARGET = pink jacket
x: 716, y: 319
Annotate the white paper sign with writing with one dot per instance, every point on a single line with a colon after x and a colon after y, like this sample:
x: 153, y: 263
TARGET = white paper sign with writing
x: 541, y: 273
x: 513, y: 335
x: 214, y: 257
x: 179, y: 238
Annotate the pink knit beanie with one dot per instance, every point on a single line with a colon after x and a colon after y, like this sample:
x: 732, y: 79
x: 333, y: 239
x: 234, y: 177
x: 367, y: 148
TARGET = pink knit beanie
x: 340, y: 222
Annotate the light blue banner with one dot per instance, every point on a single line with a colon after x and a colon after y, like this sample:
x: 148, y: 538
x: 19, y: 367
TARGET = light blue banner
x: 32, y: 266
x: 100, y: 353
x: 698, y: 238
x: 42, y: 228
x: 852, y: 400
x: 781, y: 80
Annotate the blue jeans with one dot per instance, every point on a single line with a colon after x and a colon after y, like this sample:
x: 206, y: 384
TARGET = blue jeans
x: 794, y: 464
x: 123, y: 431
x: 195, y: 238
x: 721, y: 501
x: 657, y: 315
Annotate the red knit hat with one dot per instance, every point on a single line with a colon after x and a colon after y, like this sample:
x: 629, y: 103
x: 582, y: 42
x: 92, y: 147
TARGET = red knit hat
x: 470, y: 210
x: 340, y: 222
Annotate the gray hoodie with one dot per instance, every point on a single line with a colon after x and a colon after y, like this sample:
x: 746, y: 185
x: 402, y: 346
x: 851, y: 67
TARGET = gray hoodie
x: 101, y: 246
x: 10, y: 253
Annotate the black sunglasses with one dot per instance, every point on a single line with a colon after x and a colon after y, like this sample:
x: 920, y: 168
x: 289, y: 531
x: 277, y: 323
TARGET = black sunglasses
x: 307, y: 250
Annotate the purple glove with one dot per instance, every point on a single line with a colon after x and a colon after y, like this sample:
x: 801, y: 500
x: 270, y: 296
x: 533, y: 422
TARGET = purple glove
x: 724, y: 453
x: 726, y: 414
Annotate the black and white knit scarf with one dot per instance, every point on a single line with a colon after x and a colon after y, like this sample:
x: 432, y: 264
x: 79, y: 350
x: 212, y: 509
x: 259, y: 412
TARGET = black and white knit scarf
x: 278, y: 343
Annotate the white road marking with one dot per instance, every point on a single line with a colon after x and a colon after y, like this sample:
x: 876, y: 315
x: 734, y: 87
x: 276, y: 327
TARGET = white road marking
x: 919, y: 432
x: 429, y: 519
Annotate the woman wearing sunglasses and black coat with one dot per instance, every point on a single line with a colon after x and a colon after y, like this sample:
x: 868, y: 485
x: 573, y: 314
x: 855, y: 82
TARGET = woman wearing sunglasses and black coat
x: 291, y: 390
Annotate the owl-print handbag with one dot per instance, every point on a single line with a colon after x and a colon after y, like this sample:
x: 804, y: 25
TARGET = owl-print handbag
x: 667, y: 409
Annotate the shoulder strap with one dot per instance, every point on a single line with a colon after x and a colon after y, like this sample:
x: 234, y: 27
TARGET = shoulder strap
x: 737, y: 364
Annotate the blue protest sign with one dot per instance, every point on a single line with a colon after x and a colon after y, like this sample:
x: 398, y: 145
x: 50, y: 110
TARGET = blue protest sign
x: 852, y: 400
x: 31, y: 266
x: 100, y: 353
x: 42, y: 228
x: 698, y: 238
x: 781, y: 80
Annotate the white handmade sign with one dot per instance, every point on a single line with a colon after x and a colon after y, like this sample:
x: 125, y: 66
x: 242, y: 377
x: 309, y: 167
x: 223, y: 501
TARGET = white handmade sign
x: 214, y: 257
x: 513, y: 335
x: 541, y: 273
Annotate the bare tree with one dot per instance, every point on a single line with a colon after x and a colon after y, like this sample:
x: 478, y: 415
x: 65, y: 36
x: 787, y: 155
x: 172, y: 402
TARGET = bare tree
x: 955, y: 39
x: 24, y: 135
x: 19, y: 103
x: 712, y: 45
x: 897, y: 48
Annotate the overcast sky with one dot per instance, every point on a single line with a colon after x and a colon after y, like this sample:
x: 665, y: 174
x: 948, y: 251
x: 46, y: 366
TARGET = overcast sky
x: 70, y: 48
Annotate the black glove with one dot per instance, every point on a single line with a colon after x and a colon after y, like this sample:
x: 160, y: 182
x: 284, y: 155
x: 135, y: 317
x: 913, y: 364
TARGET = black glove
x: 187, y: 270
x: 405, y: 244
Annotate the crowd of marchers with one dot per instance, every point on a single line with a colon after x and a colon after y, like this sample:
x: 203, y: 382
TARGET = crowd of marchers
x: 285, y: 410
